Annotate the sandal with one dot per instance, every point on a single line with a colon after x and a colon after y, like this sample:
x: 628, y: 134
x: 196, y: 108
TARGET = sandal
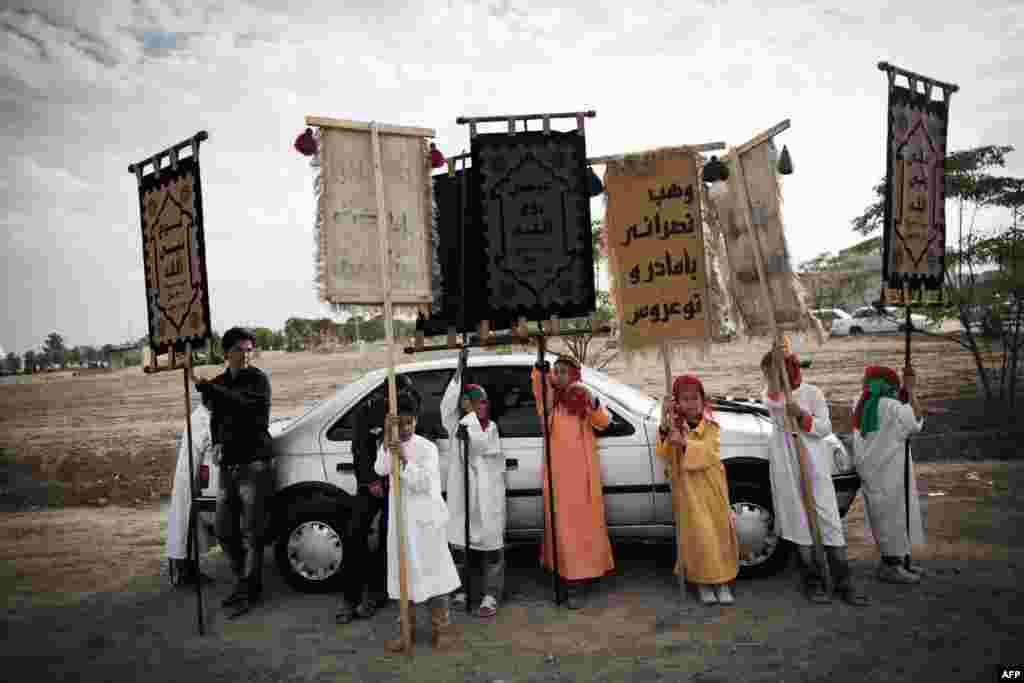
x: 816, y: 593
x: 852, y: 595
x: 488, y: 607
x: 346, y: 614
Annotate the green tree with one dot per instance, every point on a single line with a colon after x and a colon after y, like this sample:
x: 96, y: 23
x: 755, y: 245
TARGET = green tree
x: 12, y: 363
x: 74, y: 356
x: 297, y: 332
x: 264, y: 338
x: 55, y: 350
x: 31, y: 360
x: 971, y: 186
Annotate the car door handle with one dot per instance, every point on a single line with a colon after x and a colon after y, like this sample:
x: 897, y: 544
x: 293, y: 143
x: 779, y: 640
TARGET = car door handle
x: 511, y: 463
x: 346, y: 467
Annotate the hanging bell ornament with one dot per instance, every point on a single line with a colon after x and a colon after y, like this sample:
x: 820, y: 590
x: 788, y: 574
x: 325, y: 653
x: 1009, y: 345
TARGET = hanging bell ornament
x: 714, y: 171
x: 436, y: 158
x: 785, y: 165
x: 596, y: 186
x: 306, y: 143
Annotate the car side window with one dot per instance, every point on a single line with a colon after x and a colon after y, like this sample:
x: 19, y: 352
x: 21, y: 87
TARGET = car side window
x: 510, y: 395
x: 430, y: 385
x: 863, y: 314
x: 617, y: 426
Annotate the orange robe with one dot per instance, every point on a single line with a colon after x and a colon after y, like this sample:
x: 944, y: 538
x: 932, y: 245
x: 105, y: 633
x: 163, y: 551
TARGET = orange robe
x: 707, y: 549
x: 584, y: 551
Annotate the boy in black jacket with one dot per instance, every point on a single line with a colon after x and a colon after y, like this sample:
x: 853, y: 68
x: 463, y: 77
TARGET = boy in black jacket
x: 240, y: 416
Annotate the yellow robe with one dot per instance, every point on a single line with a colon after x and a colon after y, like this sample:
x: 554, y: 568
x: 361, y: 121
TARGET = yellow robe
x: 584, y: 550
x: 700, y: 499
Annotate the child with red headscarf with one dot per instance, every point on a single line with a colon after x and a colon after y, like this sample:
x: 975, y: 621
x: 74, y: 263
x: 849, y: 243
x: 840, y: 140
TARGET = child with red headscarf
x: 470, y: 427
x: 810, y: 412
x: 584, y: 549
x: 690, y: 442
x: 882, y: 424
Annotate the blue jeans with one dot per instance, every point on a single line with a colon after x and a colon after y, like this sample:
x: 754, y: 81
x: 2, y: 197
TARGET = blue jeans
x: 240, y: 521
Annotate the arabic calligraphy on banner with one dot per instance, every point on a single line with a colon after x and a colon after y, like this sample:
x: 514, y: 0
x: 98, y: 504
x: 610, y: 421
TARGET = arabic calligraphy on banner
x: 656, y: 251
x: 173, y: 255
x: 914, y: 239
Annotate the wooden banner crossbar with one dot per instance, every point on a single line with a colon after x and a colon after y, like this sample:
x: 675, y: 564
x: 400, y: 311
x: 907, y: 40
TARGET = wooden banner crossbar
x: 382, y: 129
x: 172, y: 152
x: 912, y: 77
x: 762, y: 138
x: 506, y: 339
x: 511, y: 119
x: 706, y: 147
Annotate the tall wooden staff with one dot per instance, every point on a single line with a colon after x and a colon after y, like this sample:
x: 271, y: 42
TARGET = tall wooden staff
x: 392, y: 426
x: 556, y: 576
x: 198, y: 325
x: 666, y: 362
x: 792, y: 431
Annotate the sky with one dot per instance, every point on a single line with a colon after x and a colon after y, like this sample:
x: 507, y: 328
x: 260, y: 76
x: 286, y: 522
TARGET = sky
x: 86, y: 88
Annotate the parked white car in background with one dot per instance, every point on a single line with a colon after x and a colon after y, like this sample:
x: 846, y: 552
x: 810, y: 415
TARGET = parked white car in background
x: 314, y: 475
x: 868, y: 320
x: 827, y: 316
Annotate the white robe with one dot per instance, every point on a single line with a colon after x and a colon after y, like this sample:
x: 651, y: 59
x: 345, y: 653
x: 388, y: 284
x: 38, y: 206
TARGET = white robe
x: 879, y: 459
x: 486, y: 478
x: 790, y: 515
x: 181, y: 496
x: 431, y: 570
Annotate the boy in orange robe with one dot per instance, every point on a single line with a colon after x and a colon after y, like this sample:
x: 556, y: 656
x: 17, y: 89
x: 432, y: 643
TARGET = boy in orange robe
x: 584, y: 550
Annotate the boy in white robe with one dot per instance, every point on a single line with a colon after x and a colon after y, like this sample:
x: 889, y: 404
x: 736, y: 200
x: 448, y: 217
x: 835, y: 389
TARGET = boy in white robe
x: 882, y: 424
x: 479, y: 435
x: 810, y: 411
x: 431, y: 572
x: 182, y: 571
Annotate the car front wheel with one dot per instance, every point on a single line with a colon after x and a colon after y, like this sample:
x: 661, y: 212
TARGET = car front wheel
x: 762, y: 552
x: 310, y: 548
x: 856, y: 330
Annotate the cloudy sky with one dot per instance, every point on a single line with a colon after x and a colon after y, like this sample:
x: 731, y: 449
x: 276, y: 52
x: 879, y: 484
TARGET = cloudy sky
x: 88, y: 87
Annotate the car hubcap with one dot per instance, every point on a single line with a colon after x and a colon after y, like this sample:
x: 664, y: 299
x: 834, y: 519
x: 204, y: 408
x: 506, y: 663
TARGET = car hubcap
x: 755, y: 533
x: 315, y: 550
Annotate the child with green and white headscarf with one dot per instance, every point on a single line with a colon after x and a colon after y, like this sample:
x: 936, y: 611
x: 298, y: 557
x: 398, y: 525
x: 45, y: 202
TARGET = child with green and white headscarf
x: 884, y: 417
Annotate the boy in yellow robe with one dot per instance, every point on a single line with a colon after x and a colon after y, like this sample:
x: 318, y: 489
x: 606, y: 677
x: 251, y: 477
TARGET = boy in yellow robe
x: 689, y: 441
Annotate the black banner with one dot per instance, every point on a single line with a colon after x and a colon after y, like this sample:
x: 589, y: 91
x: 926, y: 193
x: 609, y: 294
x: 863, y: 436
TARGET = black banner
x: 529, y: 199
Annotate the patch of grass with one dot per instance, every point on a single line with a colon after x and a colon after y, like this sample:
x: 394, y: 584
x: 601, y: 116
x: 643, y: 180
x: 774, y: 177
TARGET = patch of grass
x: 7, y: 456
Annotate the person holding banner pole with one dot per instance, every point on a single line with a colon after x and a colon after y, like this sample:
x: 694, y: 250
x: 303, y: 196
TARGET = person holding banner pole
x: 431, y: 573
x: 580, y: 537
x: 241, y: 417
x: 882, y: 425
x: 795, y: 524
x: 476, y: 451
x: 689, y: 442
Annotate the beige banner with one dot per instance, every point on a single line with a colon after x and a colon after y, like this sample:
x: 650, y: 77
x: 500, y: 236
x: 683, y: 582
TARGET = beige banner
x: 656, y: 250
x: 349, y: 240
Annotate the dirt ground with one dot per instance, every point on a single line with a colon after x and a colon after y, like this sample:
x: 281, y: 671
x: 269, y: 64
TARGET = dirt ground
x: 108, y: 438
x: 85, y: 599
x: 85, y: 461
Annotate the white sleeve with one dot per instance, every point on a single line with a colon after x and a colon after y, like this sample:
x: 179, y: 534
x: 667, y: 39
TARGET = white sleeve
x: 493, y: 449
x: 418, y: 475
x: 383, y: 464
x: 821, y: 422
x: 450, y: 406
x: 903, y: 420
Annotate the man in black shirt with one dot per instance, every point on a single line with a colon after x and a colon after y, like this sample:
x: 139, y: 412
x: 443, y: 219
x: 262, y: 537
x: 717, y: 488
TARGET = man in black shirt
x: 240, y: 416
x: 365, y: 573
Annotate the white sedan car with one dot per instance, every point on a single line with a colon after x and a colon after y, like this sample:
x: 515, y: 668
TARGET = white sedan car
x: 868, y: 320
x: 314, y: 470
x: 828, y: 316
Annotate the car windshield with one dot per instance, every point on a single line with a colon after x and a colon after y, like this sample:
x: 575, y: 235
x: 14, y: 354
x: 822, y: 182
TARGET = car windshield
x: 632, y: 398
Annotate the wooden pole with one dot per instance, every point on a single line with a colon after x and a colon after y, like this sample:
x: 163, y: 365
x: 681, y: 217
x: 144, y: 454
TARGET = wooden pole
x: 791, y: 428
x: 193, y: 541
x: 556, y: 577
x: 465, y: 477
x: 384, y: 230
x: 666, y: 363
x: 906, y: 442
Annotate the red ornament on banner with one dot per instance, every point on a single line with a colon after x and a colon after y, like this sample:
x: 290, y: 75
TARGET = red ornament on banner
x: 306, y: 143
x: 436, y: 158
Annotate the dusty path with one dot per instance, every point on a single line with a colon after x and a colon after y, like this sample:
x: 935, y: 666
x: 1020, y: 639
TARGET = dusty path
x: 966, y: 617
